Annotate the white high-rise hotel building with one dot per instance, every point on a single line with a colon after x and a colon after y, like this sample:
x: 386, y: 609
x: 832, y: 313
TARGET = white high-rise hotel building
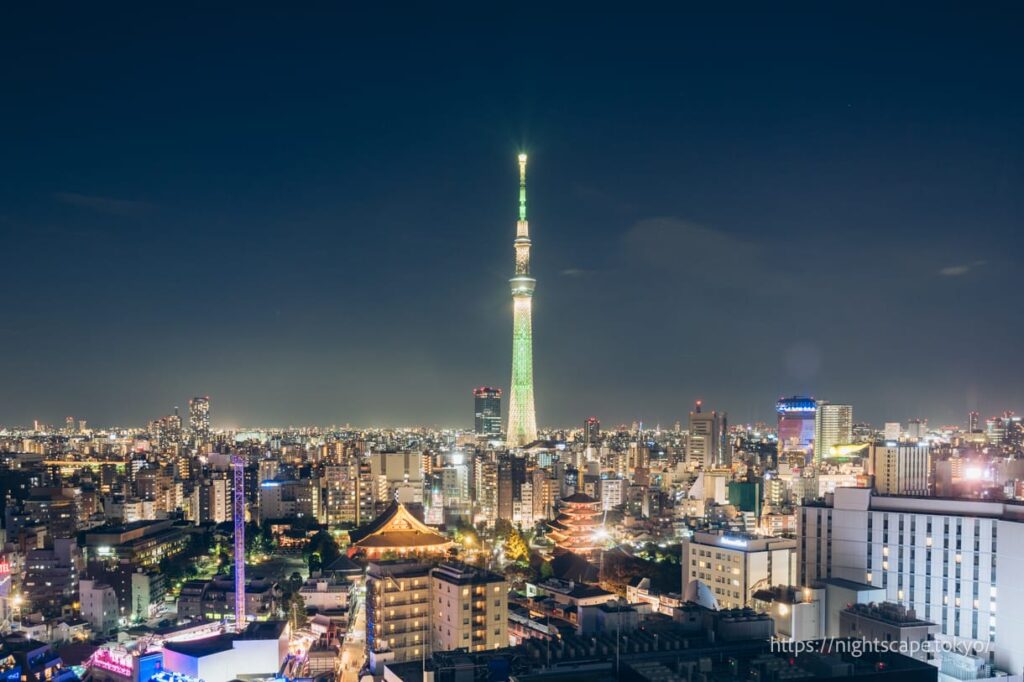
x: 955, y: 562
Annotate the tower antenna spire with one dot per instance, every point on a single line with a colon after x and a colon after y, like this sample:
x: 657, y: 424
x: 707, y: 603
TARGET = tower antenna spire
x: 522, y: 187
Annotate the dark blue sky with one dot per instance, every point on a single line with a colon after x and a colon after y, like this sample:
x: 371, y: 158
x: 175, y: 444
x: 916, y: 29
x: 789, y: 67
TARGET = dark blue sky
x: 308, y: 214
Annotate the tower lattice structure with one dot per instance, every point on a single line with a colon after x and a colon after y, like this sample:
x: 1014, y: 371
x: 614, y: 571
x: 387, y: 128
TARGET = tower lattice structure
x: 238, y: 513
x: 522, y: 417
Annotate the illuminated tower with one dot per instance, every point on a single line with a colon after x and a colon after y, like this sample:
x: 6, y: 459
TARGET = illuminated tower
x: 238, y: 465
x: 522, y: 419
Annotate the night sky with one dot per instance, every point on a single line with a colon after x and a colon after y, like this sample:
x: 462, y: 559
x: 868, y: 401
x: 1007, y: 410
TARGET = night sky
x: 308, y: 215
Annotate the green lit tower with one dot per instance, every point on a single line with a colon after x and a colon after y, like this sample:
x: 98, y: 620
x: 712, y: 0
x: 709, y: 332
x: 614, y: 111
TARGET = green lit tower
x: 522, y: 418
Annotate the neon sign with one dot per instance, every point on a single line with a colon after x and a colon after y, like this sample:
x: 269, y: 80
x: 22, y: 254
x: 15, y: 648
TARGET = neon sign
x: 107, y: 660
x: 733, y: 542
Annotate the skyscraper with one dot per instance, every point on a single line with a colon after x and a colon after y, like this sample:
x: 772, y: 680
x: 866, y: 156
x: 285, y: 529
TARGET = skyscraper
x: 796, y: 425
x: 487, y: 411
x: 833, y: 425
x: 199, y: 418
x: 591, y: 432
x: 522, y: 418
x: 704, y: 447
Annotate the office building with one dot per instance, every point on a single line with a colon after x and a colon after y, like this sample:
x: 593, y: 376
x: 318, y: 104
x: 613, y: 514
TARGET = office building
x: 487, y: 411
x: 900, y: 469
x: 833, y: 425
x: 142, y: 544
x: 706, y: 446
x: 796, y: 425
x: 289, y: 499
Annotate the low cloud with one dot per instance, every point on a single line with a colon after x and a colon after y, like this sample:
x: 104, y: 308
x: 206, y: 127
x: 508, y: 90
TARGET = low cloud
x: 962, y: 269
x: 107, y: 205
x: 699, y: 254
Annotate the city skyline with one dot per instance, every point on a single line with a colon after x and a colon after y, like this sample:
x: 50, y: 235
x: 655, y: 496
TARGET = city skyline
x: 713, y: 227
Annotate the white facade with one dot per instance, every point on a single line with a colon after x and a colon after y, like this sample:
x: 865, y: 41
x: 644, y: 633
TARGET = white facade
x: 900, y: 469
x: 734, y: 565
x: 952, y: 561
x: 455, y: 484
x: 99, y: 605
x: 833, y: 425
x: 324, y: 595
x: 613, y: 492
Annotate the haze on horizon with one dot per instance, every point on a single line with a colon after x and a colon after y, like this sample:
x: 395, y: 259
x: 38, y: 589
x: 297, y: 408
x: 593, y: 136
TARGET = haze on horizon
x: 309, y: 216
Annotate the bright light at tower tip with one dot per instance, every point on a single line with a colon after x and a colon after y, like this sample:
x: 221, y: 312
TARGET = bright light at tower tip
x: 522, y: 157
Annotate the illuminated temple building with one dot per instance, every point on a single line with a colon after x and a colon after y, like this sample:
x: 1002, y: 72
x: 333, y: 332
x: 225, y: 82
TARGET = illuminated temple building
x: 396, y: 532
x: 577, y: 528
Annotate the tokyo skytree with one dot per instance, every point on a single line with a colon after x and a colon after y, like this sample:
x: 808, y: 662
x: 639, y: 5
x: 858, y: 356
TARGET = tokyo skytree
x: 522, y: 418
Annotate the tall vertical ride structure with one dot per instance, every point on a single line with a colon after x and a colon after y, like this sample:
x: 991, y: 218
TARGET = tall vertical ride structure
x: 238, y: 466
x: 522, y: 418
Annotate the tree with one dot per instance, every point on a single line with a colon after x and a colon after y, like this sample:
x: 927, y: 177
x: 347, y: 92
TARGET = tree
x: 502, y: 527
x: 546, y: 571
x: 223, y: 560
x: 515, y: 547
x: 297, y: 611
x: 295, y: 581
x: 320, y: 551
x: 173, y: 570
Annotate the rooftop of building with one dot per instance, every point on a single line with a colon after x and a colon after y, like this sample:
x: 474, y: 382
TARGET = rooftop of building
x: 889, y: 613
x: 579, y: 498
x: 573, y: 589
x: 198, y: 648
x: 848, y: 584
x: 458, y: 573
x: 784, y: 594
x: 396, y: 527
x: 395, y: 568
x: 265, y: 629
x: 865, y: 499
x: 118, y: 528
x: 344, y: 565
x: 257, y: 630
x: 648, y: 654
